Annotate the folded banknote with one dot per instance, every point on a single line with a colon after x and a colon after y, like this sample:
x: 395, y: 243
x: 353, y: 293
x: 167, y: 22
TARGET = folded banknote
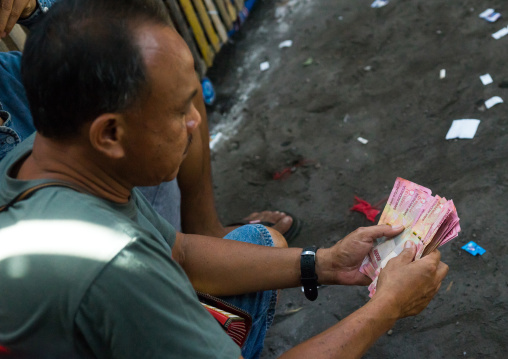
x: 429, y: 222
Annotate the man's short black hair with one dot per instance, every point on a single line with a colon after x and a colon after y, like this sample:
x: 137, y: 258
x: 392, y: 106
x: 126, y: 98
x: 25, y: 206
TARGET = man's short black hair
x: 82, y: 61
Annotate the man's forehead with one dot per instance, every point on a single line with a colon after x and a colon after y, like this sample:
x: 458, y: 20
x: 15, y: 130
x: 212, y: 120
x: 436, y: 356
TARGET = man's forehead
x: 158, y: 42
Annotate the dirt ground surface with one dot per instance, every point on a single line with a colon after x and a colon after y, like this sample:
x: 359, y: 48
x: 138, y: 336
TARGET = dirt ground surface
x: 374, y: 74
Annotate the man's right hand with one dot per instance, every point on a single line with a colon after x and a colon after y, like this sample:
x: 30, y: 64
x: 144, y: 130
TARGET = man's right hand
x: 404, y: 288
x: 11, y: 11
x: 409, y: 285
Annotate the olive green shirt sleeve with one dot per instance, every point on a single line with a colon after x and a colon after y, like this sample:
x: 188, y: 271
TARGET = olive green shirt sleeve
x: 143, y: 306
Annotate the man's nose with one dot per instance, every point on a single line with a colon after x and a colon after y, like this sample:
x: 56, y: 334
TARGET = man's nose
x: 194, y: 120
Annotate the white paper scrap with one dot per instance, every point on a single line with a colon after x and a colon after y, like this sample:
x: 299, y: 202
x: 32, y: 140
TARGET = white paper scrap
x: 486, y: 79
x: 462, y: 129
x: 287, y: 43
x: 486, y: 13
x: 493, y: 101
x: 490, y: 15
x: 216, y: 139
x: 264, y: 66
x: 500, y: 33
x: 362, y: 140
x: 442, y: 74
x: 379, y: 3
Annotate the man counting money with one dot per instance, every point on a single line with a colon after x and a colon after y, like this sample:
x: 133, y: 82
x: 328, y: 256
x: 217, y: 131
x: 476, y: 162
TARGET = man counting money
x: 91, y: 270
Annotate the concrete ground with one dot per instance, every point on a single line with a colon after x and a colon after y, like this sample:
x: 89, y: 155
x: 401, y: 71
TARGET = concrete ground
x: 372, y: 73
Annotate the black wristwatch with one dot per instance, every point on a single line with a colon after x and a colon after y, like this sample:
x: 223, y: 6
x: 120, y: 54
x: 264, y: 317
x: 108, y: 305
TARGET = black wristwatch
x: 308, y: 269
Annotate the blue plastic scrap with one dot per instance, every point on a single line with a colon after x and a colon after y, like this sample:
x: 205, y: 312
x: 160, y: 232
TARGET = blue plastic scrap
x: 208, y: 91
x: 473, y: 248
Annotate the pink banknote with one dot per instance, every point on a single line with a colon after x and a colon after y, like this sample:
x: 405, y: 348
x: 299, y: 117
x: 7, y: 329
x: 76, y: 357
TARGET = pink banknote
x: 429, y: 222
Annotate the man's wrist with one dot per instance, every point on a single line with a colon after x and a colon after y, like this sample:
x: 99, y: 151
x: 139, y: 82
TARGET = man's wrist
x: 323, y: 266
x: 388, y: 305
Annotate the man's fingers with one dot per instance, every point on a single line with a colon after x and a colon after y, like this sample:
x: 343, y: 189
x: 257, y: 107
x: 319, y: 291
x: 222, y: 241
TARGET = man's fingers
x: 408, y: 254
x: 10, y: 23
x: 5, y: 13
x: 438, y: 288
x: 382, y: 230
x: 442, y: 270
x: 17, y: 10
x: 434, y: 256
x: 394, y: 230
x: 10, y: 12
x: 364, y: 281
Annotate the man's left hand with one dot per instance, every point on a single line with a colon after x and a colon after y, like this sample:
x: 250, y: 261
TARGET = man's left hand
x: 11, y: 11
x: 340, y: 264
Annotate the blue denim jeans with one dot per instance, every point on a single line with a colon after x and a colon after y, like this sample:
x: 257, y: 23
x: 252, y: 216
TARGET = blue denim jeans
x: 16, y: 118
x: 260, y: 305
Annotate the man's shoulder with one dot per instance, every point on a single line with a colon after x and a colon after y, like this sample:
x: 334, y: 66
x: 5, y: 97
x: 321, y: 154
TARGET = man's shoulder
x: 61, y: 205
x: 58, y: 203
x: 46, y: 267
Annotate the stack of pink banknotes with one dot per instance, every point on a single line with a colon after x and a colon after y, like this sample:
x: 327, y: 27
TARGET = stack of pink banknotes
x: 429, y: 222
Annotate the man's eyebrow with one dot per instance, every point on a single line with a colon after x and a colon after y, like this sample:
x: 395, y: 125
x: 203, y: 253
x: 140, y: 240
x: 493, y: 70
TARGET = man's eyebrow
x: 189, y: 99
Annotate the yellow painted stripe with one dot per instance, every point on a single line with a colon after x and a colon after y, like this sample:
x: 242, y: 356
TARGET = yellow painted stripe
x: 214, y: 15
x: 199, y: 35
x: 239, y: 5
x: 207, y: 24
x: 224, y: 14
x: 231, y: 9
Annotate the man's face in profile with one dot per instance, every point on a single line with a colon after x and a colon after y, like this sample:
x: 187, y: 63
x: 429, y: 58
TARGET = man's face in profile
x: 160, y: 130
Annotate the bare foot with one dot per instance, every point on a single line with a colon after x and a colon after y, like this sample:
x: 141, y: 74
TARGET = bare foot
x: 281, y: 221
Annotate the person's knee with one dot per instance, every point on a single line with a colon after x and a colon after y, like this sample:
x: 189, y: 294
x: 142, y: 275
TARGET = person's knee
x: 278, y: 239
x: 258, y: 234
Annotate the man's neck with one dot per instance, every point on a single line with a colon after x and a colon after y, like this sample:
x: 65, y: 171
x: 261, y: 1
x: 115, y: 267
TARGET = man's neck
x: 73, y: 164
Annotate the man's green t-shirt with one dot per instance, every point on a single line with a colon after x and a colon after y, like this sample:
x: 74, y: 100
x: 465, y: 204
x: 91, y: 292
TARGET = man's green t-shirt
x: 84, y: 277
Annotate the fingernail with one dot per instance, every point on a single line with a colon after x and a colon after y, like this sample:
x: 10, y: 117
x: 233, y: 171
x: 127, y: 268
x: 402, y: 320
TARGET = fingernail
x: 398, y: 227
x: 408, y: 244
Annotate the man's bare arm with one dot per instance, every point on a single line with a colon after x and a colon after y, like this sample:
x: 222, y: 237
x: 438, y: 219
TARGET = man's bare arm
x: 405, y: 288
x: 352, y: 336
x: 225, y: 267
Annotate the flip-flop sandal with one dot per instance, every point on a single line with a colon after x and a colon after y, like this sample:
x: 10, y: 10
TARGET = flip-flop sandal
x: 290, y: 234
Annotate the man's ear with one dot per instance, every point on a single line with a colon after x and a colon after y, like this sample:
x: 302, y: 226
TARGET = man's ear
x: 106, y: 134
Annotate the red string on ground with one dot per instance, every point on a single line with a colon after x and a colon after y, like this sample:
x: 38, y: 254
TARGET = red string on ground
x: 366, y: 208
x: 286, y: 172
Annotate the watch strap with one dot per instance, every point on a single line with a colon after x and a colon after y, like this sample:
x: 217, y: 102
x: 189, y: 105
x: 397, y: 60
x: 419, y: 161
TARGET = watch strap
x: 309, y: 277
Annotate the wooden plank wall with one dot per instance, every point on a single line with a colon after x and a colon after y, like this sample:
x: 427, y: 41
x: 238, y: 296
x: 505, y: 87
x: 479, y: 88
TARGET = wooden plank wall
x: 205, y: 26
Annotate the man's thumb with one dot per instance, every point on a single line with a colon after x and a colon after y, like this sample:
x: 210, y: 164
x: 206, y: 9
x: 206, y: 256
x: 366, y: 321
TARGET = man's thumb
x: 409, y: 252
